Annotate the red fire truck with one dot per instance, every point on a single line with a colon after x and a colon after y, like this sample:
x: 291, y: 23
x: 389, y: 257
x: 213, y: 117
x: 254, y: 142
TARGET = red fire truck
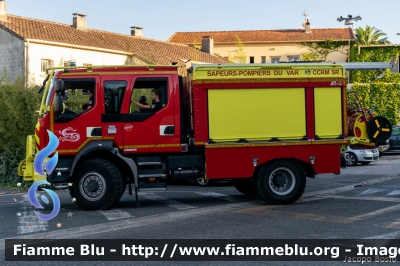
x: 266, y: 127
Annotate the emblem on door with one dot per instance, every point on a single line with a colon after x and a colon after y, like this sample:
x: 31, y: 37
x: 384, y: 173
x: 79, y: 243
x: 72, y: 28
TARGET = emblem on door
x: 128, y: 127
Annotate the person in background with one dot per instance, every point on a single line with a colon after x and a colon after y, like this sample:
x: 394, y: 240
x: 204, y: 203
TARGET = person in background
x: 87, y: 106
x: 156, y: 105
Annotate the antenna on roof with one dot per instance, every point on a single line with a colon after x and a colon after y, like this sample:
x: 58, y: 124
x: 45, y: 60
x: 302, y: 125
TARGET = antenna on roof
x: 305, y: 15
x: 306, y: 23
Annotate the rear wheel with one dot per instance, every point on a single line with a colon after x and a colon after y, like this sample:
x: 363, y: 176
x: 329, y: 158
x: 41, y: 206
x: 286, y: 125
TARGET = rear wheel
x: 203, y: 182
x: 351, y: 159
x: 280, y: 182
x: 245, y: 186
x: 97, y: 185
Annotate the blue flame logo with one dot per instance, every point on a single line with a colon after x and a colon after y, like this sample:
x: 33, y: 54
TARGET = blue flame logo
x: 34, y: 201
x: 38, y: 165
x: 44, y: 153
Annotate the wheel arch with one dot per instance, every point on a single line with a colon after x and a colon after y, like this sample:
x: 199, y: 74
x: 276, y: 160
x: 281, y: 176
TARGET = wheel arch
x: 307, y: 167
x: 103, y: 149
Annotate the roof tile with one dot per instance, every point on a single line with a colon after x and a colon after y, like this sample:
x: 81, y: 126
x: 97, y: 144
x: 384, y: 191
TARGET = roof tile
x: 154, y: 51
x: 265, y: 36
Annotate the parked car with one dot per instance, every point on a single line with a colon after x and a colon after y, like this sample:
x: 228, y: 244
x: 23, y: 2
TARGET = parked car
x: 361, y: 155
x: 383, y: 147
x: 394, y: 140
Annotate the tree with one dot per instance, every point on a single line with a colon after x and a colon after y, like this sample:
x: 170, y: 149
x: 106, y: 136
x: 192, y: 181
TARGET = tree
x: 239, y: 56
x: 370, y: 36
x: 319, y: 51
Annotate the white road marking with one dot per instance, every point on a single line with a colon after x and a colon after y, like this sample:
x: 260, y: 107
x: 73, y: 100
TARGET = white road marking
x: 218, y: 196
x: 28, y: 222
x: 169, y: 202
x: 377, y: 212
x: 394, y: 192
x: 116, y: 214
x: 387, y: 199
x: 371, y: 191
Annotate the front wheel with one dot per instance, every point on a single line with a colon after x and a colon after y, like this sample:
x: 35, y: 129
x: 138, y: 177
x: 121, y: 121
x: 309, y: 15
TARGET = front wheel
x: 351, y: 159
x: 97, y: 185
x: 280, y: 182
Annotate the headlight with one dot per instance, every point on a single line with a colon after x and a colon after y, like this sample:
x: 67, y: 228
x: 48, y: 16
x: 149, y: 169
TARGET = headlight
x: 364, y: 151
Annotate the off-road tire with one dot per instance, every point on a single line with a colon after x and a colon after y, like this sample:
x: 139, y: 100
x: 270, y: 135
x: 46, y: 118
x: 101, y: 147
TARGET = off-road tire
x: 270, y: 171
x: 110, y: 175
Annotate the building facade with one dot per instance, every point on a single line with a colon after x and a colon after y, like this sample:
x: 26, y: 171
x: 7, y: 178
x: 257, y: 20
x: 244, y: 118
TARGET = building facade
x: 29, y: 46
x: 267, y: 46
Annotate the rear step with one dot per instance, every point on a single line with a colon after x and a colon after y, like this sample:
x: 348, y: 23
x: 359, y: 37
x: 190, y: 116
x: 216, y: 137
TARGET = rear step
x: 152, y: 173
x: 152, y: 160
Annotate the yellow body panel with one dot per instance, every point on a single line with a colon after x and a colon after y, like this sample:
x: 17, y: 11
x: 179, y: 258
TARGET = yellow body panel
x: 328, y: 112
x: 256, y: 114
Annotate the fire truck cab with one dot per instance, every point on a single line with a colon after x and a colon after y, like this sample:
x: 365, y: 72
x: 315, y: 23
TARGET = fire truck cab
x: 266, y: 127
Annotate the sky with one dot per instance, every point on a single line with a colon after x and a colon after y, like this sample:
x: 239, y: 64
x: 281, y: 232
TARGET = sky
x: 161, y: 18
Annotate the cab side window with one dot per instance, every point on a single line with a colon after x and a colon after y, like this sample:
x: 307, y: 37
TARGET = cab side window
x: 149, y: 91
x: 79, y: 94
x: 113, y: 96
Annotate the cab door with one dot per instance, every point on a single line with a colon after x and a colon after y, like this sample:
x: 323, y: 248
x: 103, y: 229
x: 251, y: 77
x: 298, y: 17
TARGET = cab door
x: 75, y: 126
x: 146, y: 131
x: 114, y: 89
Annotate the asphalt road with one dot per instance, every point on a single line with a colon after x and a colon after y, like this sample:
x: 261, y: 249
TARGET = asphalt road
x: 362, y: 202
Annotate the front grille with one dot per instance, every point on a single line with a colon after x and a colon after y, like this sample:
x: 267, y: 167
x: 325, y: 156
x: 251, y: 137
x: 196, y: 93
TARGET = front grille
x: 367, y: 158
x: 376, y: 157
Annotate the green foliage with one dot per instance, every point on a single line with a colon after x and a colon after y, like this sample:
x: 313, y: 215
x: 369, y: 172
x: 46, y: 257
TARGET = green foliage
x: 239, y: 57
x: 18, y: 117
x: 370, y: 36
x: 310, y: 57
x: 75, y: 102
x: 374, y: 54
x: 319, y: 51
x: 382, y: 97
x: 382, y: 94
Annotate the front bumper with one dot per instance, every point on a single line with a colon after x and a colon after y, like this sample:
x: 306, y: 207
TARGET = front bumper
x: 25, y: 168
x: 368, y: 157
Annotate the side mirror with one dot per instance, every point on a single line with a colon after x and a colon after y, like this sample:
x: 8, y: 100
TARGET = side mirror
x: 59, y: 85
x: 58, y: 104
